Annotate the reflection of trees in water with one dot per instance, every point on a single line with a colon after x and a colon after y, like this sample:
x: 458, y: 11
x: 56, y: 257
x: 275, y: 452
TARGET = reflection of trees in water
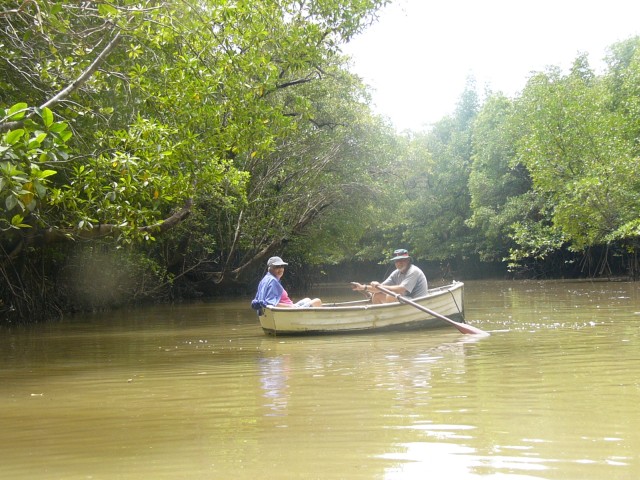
x: 398, y: 371
x: 274, y: 381
x: 537, y: 305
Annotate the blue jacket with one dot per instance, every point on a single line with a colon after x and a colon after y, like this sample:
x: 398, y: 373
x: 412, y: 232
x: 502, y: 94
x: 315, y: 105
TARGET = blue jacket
x: 269, y: 292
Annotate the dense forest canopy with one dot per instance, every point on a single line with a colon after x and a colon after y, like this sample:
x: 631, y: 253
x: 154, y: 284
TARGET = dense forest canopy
x: 163, y: 149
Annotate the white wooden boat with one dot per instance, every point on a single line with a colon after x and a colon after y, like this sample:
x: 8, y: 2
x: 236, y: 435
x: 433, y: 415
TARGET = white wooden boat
x: 363, y: 316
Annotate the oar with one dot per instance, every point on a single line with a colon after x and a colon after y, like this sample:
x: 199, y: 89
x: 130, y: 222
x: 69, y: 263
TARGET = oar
x: 462, y: 327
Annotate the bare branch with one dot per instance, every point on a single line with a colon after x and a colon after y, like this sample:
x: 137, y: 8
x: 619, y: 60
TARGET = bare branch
x: 73, y: 86
x: 53, y: 235
x: 86, y: 74
x: 16, y: 10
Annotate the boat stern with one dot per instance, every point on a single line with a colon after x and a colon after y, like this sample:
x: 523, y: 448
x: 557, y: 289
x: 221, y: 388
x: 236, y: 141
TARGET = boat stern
x: 267, y: 321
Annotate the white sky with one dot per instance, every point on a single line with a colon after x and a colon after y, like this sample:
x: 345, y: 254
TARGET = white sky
x: 419, y: 55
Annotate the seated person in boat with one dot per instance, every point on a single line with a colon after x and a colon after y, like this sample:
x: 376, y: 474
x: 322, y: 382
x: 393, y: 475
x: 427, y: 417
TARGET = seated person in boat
x: 271, y: 292
x: 407, y: 280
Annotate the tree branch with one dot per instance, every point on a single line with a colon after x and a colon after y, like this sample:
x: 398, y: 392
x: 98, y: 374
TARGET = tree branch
x: 16, y: 10
x: 84, y: 76
x: 53, y: 235
x: 73, y: 86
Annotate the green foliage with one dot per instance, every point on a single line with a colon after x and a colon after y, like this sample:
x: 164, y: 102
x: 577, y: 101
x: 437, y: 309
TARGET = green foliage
x: 534, y: 237
x: 535, y: 241
x: 117, y: 114
x: 579, y: 151
x: 195, y: 87
x: 326, y: 172
x: 25, y: 156
x: 496, y: 181
x: 179, y: 103
x: 552, y: 169
x: 438, y: 201
x: 139, y: 176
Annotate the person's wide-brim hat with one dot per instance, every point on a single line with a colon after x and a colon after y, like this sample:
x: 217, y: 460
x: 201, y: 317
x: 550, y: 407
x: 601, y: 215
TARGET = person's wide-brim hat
x: 400, y: 254
x: 276, y: 262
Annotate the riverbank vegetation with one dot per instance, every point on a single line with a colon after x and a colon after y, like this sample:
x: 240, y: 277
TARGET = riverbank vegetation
x: 155, y: 151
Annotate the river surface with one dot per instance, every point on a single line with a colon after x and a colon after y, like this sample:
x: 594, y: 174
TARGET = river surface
x: 199, y: 392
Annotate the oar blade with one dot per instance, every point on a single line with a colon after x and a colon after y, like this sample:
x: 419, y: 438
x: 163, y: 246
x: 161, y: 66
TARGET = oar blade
x: 470, y: 329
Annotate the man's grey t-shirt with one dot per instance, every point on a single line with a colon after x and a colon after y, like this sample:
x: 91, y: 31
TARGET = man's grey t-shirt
x: 414, y: 281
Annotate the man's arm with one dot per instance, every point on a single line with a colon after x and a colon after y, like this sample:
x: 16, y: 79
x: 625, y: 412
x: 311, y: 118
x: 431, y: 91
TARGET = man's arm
x: 391, y: 283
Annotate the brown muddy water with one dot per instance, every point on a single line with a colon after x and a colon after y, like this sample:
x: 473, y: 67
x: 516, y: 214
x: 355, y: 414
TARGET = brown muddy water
x: 199, y: 392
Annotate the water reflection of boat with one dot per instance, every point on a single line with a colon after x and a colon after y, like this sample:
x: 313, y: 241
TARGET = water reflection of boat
x: 363, y: 316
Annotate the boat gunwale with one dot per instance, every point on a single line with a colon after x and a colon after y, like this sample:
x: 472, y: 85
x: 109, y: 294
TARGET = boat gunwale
x: 367, y: 305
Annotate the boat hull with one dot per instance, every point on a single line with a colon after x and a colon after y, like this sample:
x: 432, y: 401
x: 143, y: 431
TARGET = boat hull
x: 362, y: 316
